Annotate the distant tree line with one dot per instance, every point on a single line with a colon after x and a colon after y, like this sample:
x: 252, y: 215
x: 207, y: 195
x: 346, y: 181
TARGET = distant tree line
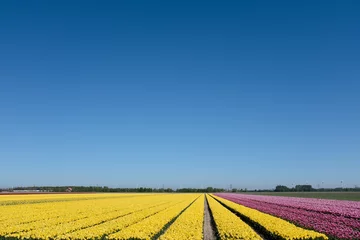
x: 278, y: 188
x: 107, y: 189
x: 309, y: 188
x: 207, y: 190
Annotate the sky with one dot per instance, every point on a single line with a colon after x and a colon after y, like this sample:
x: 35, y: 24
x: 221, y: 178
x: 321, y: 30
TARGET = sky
x: 180, y: 93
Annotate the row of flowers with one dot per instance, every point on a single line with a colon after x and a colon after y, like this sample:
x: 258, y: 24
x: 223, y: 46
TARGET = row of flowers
x: 189, y: 225
x: 269, y: 225
x: 155, y: 224
x: 115, y: 225
x: 61, y: 219
x: 7, y: 200
x: 53, y: 207
x: 228, y: 225
x: 350, y: 209
x: 34, y: 216
x: 335, y: 225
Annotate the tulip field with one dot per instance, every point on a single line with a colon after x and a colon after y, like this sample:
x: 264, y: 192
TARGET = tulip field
x: 338, y: 219
x: 176, y: 217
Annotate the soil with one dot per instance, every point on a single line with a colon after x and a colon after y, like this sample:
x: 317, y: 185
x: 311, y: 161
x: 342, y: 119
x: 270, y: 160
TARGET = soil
x: 209, y: 228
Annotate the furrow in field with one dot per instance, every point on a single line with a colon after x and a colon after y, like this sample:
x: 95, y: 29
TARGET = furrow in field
x: 209, y: 228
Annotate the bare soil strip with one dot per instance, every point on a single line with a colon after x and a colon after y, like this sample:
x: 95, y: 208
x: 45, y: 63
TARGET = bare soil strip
x: 209, y: 228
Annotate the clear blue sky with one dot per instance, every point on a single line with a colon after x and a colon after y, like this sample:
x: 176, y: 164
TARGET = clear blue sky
x: 185, y: 94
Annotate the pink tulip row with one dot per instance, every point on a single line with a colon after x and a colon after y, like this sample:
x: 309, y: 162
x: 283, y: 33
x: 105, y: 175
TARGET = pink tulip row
x: 293, y: 209
x: 343, y: 208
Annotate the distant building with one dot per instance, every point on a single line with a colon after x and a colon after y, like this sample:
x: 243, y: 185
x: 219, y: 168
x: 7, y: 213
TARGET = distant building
x: 25, y: 191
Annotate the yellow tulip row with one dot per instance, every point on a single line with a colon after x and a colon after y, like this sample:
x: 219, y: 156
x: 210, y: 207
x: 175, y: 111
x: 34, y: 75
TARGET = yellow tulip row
x: 31, y: 213
x: 273, y: 225
x: 42, y: 198
x: 6, y: 199
x: 189, y: 225
x: 24, y: 197
x: 117, y: 224
x: 31, y: 197
x: 228, y: 225
x: 25, y: 213
x: 46, y: 216
x: 52, y: 214
x: 90, y: 219
x: 52, y: 230
x: 151, y: 226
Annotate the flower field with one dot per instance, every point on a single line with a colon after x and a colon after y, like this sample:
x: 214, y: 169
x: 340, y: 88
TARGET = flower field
x: 175, y: 217
x: 338, y: 219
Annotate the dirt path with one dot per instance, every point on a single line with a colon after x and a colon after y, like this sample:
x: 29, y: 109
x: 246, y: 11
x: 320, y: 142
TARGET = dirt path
x: 209, y: 231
